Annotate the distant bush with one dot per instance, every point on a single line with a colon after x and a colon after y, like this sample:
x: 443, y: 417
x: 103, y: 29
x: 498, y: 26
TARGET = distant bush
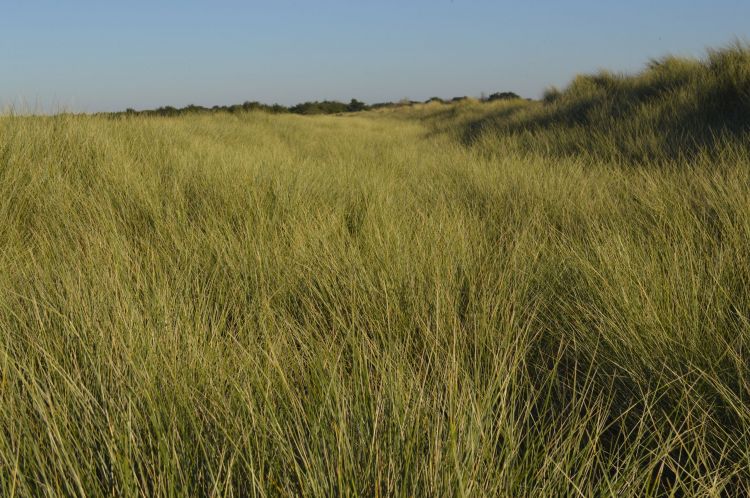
x: 356, y: 106
x: 503, y: 96
x: 325, y: 107
x: 257, y: 106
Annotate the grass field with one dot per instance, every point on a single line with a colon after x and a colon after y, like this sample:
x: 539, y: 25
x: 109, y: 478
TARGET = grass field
x: 508, y: 299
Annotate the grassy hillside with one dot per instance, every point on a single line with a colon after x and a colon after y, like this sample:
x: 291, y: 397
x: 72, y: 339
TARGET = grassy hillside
x: 373, y: 304
x: 675, y: 109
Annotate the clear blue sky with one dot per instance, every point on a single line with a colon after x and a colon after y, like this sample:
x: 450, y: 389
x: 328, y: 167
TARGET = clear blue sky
x: 88, y: 55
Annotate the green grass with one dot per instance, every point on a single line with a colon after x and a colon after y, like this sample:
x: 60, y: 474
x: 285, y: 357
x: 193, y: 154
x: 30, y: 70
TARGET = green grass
x: 371, y: 305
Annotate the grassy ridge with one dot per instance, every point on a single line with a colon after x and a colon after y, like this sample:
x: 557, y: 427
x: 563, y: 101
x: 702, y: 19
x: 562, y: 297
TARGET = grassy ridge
x: 250, y: 304
x: 673, y: 110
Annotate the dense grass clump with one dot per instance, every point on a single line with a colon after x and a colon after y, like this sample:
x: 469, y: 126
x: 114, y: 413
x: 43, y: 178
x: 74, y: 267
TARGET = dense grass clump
x: 270, y: 305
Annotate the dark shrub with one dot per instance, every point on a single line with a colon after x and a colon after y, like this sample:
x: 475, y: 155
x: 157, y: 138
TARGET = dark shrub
x: 356, y: 106
x: 503, y: 96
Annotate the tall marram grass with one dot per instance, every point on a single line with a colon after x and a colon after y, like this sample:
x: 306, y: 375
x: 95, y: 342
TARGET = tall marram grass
x: 256, y: 305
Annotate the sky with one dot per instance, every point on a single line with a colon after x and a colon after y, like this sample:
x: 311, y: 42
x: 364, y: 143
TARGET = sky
x: 88, y: 56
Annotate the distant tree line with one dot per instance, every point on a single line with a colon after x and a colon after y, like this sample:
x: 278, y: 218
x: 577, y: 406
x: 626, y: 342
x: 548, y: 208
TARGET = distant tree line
x: 306, y: 108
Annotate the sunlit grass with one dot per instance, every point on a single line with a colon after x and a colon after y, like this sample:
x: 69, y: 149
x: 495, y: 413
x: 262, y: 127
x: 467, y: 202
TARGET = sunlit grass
x: 257, y: 305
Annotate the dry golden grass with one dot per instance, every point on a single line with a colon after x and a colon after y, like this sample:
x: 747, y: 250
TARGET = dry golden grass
x: 238, y: 305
